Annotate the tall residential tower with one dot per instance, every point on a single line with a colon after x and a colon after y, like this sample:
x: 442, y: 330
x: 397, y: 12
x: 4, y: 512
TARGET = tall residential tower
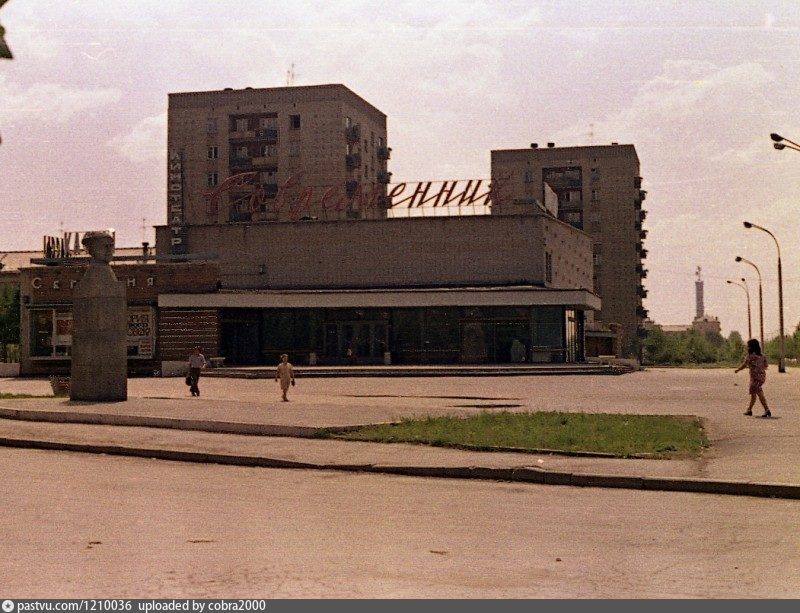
x: 598, y: 190
x: 274, y: 154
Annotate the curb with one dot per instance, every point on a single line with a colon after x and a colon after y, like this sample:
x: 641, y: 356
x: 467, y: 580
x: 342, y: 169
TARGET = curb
x: 521, y: 474
x: 309, y: 372
x: 107, y: 419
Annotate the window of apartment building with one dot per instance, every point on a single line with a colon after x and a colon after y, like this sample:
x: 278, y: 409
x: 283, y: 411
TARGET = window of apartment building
x: 548, y: 267
x: 268, y: 122
x: 574, y: 218
x: 242, y: 152
x: 372, y: 138
x: 211, y: 126
x: 212, y: 179
x: 294, y: 122
x: 294, y: 148
x: 241, y: 125
x: 595, y: 195
x: 348, y: 122
x: 597, y: 254
x: 380, y: 141
x: 268, y: 176
x: 269, y: 150
x: 213, y: 153
x: 528, y: 176
x: 366, y: 145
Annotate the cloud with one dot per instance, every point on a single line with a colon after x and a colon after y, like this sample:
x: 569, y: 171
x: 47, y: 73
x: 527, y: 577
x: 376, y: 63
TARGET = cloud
x: 145, y: 142
x: 702, y: 134
x: 50, y: 102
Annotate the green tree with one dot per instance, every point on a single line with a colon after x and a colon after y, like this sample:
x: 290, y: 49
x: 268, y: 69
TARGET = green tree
x: 734, y: 348
x: 9, y: 314
x: 699, y: 349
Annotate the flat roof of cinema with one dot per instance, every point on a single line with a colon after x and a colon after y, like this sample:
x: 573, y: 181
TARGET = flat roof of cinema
x: 386, y: 298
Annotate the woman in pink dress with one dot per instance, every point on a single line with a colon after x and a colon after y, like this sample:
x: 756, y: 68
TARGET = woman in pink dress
x: 757, y: 364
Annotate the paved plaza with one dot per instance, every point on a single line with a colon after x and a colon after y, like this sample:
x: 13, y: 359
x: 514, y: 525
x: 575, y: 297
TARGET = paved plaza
x: 742, y: 449
x: 134, y: 526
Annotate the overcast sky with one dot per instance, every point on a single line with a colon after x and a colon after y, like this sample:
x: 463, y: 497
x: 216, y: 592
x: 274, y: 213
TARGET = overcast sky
x: 697, y: 87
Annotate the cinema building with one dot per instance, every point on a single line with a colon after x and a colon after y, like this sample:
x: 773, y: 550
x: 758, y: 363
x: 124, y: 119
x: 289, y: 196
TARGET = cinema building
x: 282, y: 235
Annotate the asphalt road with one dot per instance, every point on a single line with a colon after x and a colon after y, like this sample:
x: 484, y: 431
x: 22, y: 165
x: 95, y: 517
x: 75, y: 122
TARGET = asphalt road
x: 79, y: 525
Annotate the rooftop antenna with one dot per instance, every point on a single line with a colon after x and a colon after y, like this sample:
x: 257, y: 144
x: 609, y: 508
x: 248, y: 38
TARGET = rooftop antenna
x: 591, y: 134
x: 144, y: 227
x: 290, y: 75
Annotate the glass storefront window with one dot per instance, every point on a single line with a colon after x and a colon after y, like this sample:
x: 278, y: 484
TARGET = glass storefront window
x: 41, y: 332
x: 51, y: 333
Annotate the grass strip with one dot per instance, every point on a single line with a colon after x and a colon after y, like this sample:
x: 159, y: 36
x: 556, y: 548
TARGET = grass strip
x: 656, y: 436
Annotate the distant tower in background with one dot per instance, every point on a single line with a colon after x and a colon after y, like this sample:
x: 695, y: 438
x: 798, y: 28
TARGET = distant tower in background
x: 703, y: 323
x: 698, y: 296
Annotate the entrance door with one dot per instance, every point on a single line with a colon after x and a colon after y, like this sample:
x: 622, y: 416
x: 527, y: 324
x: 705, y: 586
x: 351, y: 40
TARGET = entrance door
x: 494, y: 342
x: 239, y: 337
x: 355, y: 341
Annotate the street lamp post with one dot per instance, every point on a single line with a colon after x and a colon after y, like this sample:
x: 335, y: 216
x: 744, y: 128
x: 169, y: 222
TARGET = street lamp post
x: 747, y: 292
x: 782, y: 358
x: 783, y: 143
x: 760, y: 296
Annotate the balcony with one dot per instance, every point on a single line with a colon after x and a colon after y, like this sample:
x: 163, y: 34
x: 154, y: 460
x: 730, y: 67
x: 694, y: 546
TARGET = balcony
x: 237, y: 215
x: 642, y: 292
x: 270, y: 189
x: 353, y: 161
x: 641, y: 312
x: 559, y: 182
x: 637, y: 182
x: 268, y: 160
x: 643, y: 253
x: 384, y: 177
x: 237, y: 162
x: 642, y: 215
x: 351, y: 187
x: 352, y: 134
x: 267, y: 133
x: 642, y: 234
x: 241, y: 134
x: 384, y: 153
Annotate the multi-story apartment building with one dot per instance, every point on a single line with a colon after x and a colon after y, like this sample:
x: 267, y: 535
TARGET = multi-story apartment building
x: 274, y: 154
x: 598, y: 190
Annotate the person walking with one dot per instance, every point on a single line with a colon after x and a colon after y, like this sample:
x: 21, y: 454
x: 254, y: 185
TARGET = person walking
x: 285, y: 374
x: 197, y: 362
x: 757, y: 364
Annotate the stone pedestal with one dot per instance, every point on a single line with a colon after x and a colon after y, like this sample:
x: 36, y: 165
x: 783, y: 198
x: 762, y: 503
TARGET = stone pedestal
x: 99, y: 337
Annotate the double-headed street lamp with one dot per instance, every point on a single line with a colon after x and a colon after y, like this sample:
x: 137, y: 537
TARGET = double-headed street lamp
x: 783, y: 143
x: 760, y: 296
x: 782, y: 358
x: 743, y: 285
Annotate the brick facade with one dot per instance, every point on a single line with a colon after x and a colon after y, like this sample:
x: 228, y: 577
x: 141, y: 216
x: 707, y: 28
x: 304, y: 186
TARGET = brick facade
x: 46, y: 289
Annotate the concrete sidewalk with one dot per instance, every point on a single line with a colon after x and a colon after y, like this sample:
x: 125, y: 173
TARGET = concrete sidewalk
x: 233, y: 423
